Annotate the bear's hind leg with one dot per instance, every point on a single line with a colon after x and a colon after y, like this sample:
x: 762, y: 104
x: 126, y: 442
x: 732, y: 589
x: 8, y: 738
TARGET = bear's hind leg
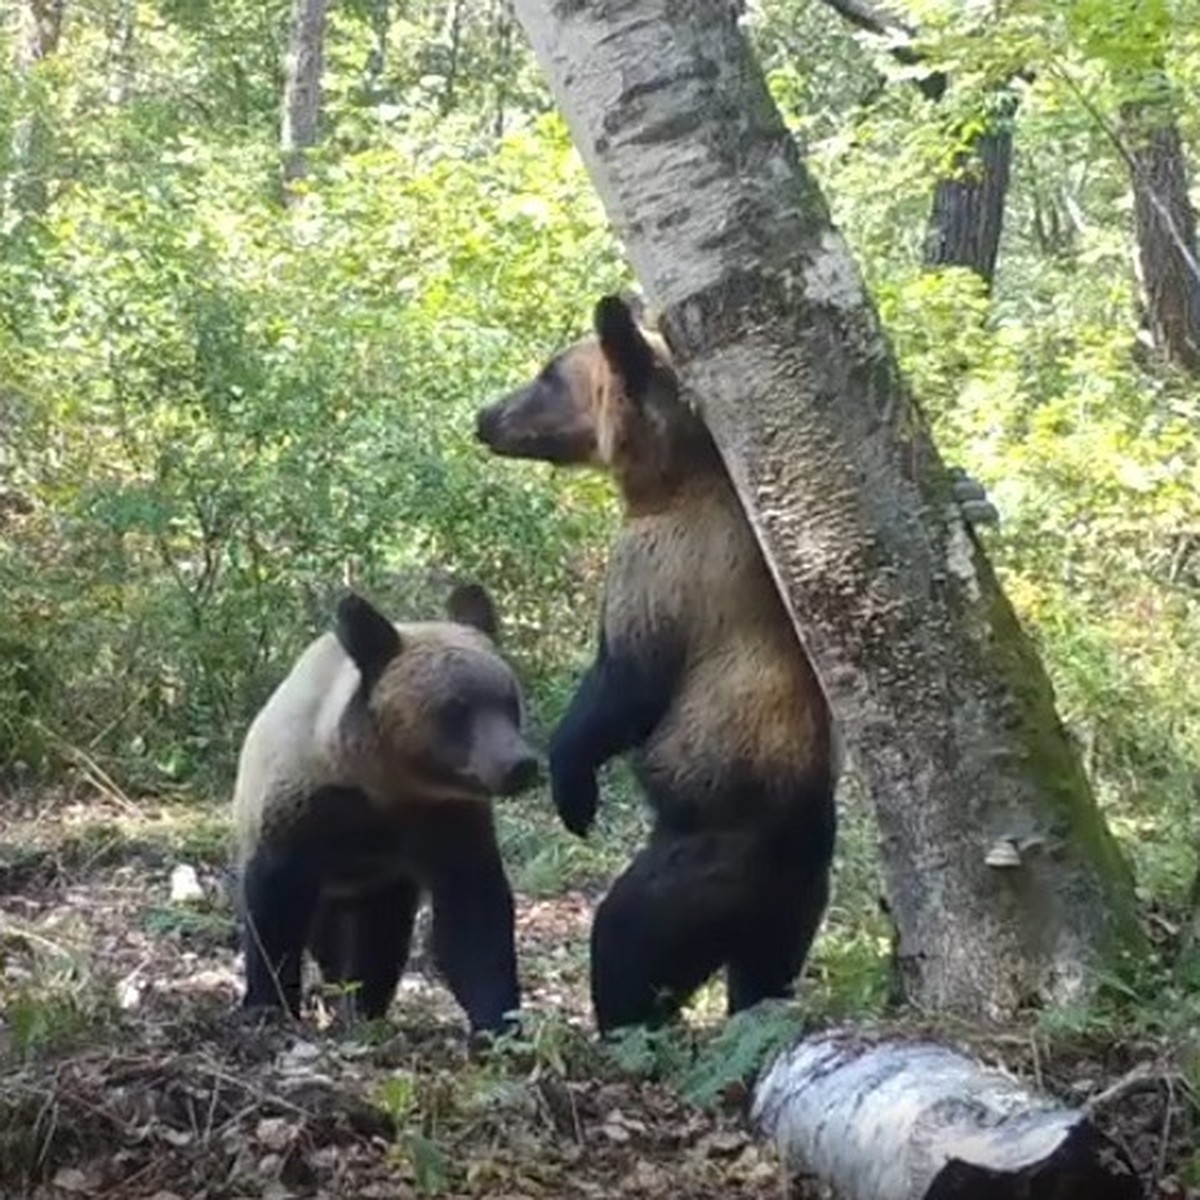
x: 665, y: 926
x: 772, y: 949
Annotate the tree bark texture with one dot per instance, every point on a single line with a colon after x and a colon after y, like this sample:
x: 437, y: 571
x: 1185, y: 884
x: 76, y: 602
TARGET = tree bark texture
x: 1003, y: 879
x: 1189, y: 942
x: 504, y: 56
x: 454, y: 26
x: 377, y: 58
x: 41, y: 28
x: 121, y: 52
x: 1165, y: 227
x: 899, y: 1120
x: 966, y: 218
x: 302, y: 96
x: 41, y: 23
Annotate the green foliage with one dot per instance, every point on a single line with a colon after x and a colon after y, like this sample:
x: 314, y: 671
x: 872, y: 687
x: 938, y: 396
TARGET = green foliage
x: 744, y: 1046
x: 1155, y: 999
x: 209, y: 465
x: 654, y: 1053
x: 50, y: 999
x: 543, y: 1045
x: 44, y: 1021
x: 400, y: 1096
x: 706, y: 1068
x: 178, y: 920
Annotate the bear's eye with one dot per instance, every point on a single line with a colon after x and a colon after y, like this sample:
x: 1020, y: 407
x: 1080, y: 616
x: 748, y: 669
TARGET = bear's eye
x: 454, y: 720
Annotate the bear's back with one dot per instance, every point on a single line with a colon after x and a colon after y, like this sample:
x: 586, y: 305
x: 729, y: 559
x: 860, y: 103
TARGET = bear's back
x: 294, y: 744
x: 284, y: 756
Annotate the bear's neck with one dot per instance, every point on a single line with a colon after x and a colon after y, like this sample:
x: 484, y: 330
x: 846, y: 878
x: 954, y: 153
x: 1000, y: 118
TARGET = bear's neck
x: 663, y: 483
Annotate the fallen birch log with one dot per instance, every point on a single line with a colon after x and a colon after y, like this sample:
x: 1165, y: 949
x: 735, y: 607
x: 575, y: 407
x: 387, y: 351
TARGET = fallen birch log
x: 897, y: 1120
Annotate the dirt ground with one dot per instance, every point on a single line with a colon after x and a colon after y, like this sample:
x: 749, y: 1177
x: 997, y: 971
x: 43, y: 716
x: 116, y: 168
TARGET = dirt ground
x: 160, y: 1091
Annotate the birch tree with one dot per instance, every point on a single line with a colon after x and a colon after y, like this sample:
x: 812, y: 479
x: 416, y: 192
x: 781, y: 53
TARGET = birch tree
x: 302, y: 86
x: 1003, y: 879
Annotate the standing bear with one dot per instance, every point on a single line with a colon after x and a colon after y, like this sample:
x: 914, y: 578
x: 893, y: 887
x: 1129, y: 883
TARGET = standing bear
x: 365, y: 780
x: 699, y: 673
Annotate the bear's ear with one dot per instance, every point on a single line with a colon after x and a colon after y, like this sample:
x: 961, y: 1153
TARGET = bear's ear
x: 627, y: 351
x: 367, y: 636
x: 469, y: 604
x: 636, y: 303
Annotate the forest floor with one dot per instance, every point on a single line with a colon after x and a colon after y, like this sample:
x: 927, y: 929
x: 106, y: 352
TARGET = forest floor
x: 125, y: 1074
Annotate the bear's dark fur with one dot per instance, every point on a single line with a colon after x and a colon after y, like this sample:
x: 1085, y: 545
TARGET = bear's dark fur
x: 698, y: 673
x: 365, y: 780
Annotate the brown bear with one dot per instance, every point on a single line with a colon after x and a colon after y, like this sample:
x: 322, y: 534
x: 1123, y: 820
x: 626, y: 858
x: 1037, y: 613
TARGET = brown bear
x: 367, y: 778
x: 700, y: 675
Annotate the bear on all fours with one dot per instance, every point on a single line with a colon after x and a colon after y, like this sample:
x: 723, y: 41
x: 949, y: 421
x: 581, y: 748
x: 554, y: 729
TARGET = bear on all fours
x: 699, y: 676
x: 365, y: 780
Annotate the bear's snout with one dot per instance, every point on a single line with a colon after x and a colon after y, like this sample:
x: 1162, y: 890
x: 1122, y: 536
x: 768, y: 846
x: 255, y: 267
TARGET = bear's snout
x: 521, y: 775
x: 487, y: 421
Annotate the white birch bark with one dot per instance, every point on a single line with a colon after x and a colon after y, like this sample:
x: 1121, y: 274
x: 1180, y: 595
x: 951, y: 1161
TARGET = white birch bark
x: 1002, y: 877
x: 302, y: 96
x: 122, y: 42
x: 903, y: 1120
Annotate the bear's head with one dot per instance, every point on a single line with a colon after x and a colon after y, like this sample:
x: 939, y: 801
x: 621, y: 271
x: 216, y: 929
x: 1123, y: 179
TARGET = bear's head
x: 437, y: 712
x: 610, y: 400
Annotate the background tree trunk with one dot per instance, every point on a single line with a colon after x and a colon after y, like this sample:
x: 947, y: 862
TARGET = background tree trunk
x: 37, y: 39
x: 377, y: 57
x: 454, y: 28
x: 1189, y: 941
x: 1165, y: 228
x: 1002, y: 876
x: 504, y: 58
x: 121, y: 47
x: 41, y: 28
x: 966, y: 217
x: 302, y: 86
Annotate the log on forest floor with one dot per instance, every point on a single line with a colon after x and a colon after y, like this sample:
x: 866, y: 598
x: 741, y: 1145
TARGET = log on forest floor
x: 904, y: 1120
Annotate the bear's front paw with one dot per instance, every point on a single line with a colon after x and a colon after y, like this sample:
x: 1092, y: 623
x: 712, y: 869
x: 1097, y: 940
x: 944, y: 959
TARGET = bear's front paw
x: 576, y: 797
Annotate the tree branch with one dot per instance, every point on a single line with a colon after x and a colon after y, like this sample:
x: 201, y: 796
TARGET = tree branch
x: 865, y: 16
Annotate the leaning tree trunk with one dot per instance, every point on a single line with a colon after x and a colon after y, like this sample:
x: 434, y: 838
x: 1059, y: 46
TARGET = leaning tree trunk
x: 1165, y: 227
x: 1002, y: 876
x: 302, y: 87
